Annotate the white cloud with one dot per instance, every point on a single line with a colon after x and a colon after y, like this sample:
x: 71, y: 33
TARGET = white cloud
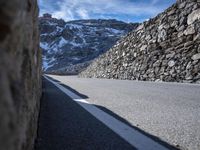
x: 63, y: 13
x: 85, y: 9
x: 83, y: 13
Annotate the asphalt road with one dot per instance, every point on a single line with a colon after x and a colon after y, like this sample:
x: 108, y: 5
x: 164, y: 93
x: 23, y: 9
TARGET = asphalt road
x: 64, y: 125
x: 169, y: 111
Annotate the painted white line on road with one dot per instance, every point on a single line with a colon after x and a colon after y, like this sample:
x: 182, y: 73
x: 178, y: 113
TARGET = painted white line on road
x: 132, y: 136
x: 81, y: 101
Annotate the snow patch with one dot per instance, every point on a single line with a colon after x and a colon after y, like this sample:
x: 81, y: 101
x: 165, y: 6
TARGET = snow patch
x: 59, y: 29
x: 45, y: 34
x: 52, y: 23
x: 76, y: 58
x: 74, y: 26
x: 44, y: 45
x: 47, y: 63
x: 115, y: 31
x: 62, y: 42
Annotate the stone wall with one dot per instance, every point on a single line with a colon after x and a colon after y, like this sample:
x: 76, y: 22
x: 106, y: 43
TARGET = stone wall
x: 165, y: 48
x: 20, y: 74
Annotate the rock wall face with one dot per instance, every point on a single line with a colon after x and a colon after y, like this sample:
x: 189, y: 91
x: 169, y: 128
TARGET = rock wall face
x: 20, y: 74
x: 165, y: 48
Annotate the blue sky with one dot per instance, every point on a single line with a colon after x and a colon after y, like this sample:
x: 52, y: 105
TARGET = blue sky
x: 125, y: 10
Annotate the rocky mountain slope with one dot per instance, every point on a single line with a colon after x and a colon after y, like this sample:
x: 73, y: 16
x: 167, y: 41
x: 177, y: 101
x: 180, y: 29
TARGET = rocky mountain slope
x: 165, y: 48
x: 66, y: 44
x: 20, y: 74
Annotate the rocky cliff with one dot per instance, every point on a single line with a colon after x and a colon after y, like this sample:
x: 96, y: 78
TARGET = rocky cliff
x: 70, y: 46
x: 20, y: 75
x: 165, y: 48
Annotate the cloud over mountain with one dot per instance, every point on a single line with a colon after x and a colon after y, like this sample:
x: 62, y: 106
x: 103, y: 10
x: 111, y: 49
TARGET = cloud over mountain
x: 126, y: 10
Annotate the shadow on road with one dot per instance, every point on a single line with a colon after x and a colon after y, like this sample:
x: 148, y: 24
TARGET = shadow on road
x: 111, y: 113
x: 52, y: 79
x: 155, y: 138
x: 69, y: 88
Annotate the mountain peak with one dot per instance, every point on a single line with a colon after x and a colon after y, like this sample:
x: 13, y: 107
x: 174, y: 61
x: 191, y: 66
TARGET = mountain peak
x: 76, y: 42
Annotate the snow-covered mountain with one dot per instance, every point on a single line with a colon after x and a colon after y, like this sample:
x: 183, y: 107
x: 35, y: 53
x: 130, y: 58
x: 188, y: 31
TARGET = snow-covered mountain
x: 69, y: 47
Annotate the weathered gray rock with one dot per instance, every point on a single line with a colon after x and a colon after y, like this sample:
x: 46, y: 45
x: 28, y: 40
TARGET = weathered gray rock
x: 165, y: 48
x: 20, y: 74
x: 171, y: 63
x: 189, y: 30
x: 195, y: 15
x: 196, y: 56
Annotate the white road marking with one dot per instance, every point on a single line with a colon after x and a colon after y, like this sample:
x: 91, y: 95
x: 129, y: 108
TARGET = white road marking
x: 132, y: 136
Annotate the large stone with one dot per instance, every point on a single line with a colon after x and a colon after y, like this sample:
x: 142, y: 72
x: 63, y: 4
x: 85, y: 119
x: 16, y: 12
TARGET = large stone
x: 182, y: 4
x: 190, y: 30
x: 171, y: 63
x: 143, y: 47
x: 170, y: 55
x: 162, y: 35
x: 195, y: 15
x: 140, y: 27
x: 196, y: 56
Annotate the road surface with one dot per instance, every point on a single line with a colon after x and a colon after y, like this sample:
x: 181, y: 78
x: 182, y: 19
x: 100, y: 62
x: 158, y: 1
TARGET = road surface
x: 63, y: 125
x: 169, y: 113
